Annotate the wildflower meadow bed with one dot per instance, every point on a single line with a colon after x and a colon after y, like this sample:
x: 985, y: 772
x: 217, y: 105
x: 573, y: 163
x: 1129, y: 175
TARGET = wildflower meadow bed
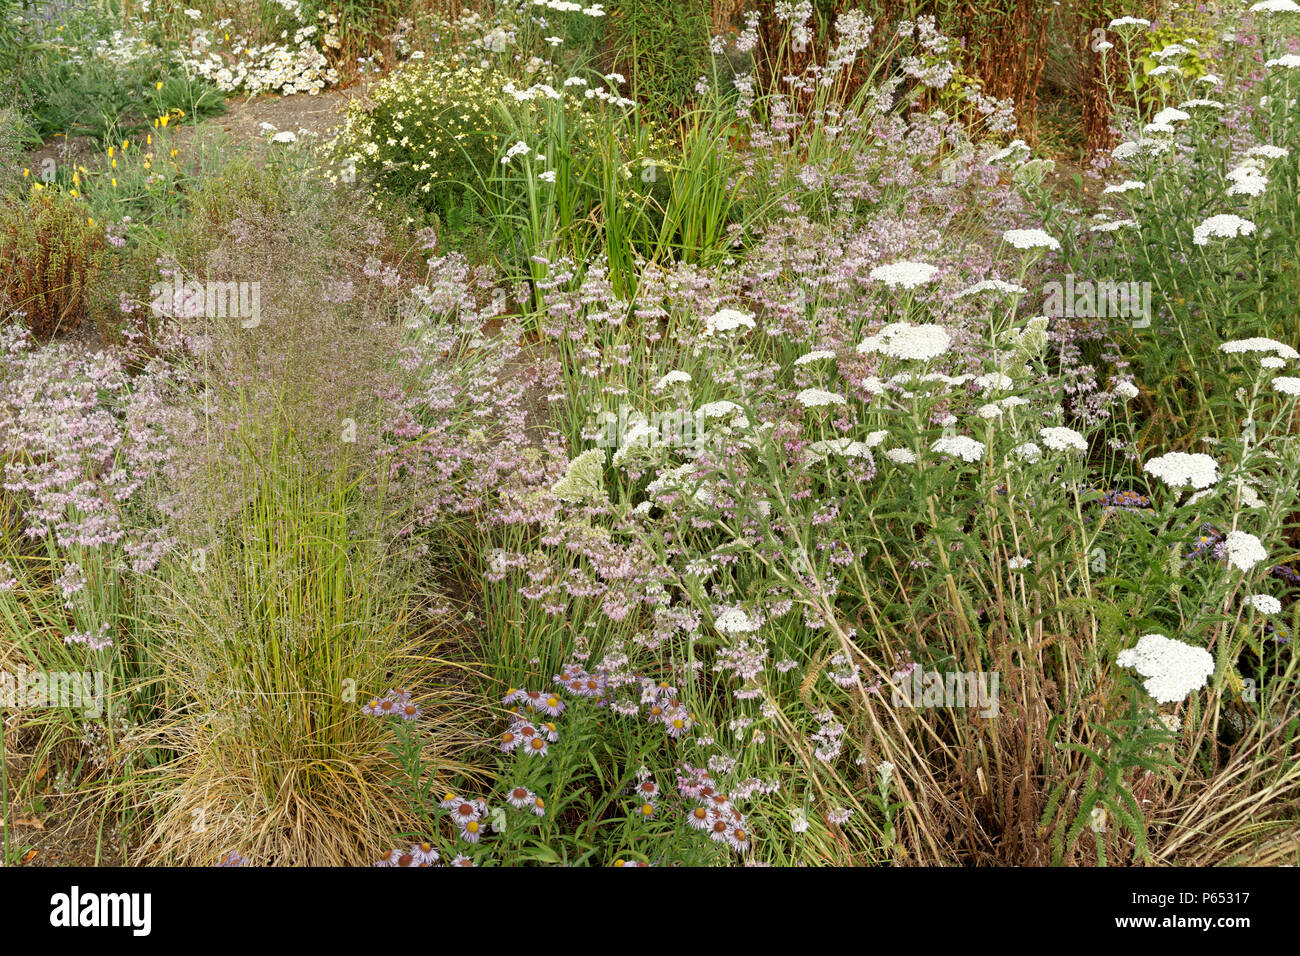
x: 769, y: 440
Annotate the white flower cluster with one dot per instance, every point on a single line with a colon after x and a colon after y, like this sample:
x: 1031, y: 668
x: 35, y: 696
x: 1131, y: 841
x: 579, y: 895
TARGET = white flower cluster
x: 960, y: 446
x: 735, y: 621
x: 1128, y: 185
x: 818, y: 397
x: 1243, y: 550
x: 1063, y: 439
x: 1264, y: 603
x: 1247, y: 179
x: 993, y: 285
x: 672, y: 378
x: 1172, y: 669
x: 1178, y: 469
x: 1030, y: 239
x: 727, y: 320
x: 902, y: 340
x: 820, y: 450
x: 816, y: 355
x: 1225, y: 226
x: 1275, y: 6
x: 904, y: 275
x: 1259, y: 344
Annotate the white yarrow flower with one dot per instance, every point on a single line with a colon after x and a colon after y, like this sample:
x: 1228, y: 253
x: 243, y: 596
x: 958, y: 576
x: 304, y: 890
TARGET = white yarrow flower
x: 1128, y: 185
x: 726, y: 320
x: 1275, y: 6
x: 1287, y: 385
x: 817, y: 355
x: 1063, y: 439
x: 1243, y: 550
x: 1264, y: 603
x: 672, y: 378
x: 818, y: 397
x: 1179, y: 469
x: 904, y: 275
x: 959, y: 446
x: 1172, y: 669
x: 902, y: 340
x: 1259, y: 344
x: 1225, y: 226
x: 1030, y: 239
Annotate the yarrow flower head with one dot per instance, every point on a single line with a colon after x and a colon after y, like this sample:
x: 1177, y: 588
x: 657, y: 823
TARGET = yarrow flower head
x: 1030, y: 239
x: 1287, y: 385
x: 904, y: 275
x: 735, y: 621
x: 993, y: 285
x: 959, y: 446
x: 1264, y: 603
x: 1225, y: 226
x: 818, y: 397
x: 727, y: 320
x: 1063, y: 439
x: 1179, y: 469
x: 1172, y: 669
x: 1243, y: 550
x: 902, y: 340
x: 1259, y: 344
x: 1275, y: 6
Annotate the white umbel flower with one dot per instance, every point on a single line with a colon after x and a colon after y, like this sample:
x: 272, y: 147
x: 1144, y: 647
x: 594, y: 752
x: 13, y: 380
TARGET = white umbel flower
x: 817, y: 355
x: 820, y: 450
x: 1063, y: 439
x: 993, y: 285
x: 902, y: 340
x: 1127, y: 186
x: 1286, y: 385
x: 1178, y: 469
x: 960, y: 446
x: 1030, y: 239
x: 1275, y: 6
x: 1259, y: 344
x: 1268, y: 152
x: 735, y: 621
x: 1027, y: 452
x: 901, y: 456
x: 1172, y: 669
x: 818, y: 397
x: 904, y: 275
x: 1126, y: 390
x: 1243, y: 550
x: 672, y: 378
x: 727, y: 320
x: 1225, y: 226
x: 1264, y: 603
x: 993, y: 380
